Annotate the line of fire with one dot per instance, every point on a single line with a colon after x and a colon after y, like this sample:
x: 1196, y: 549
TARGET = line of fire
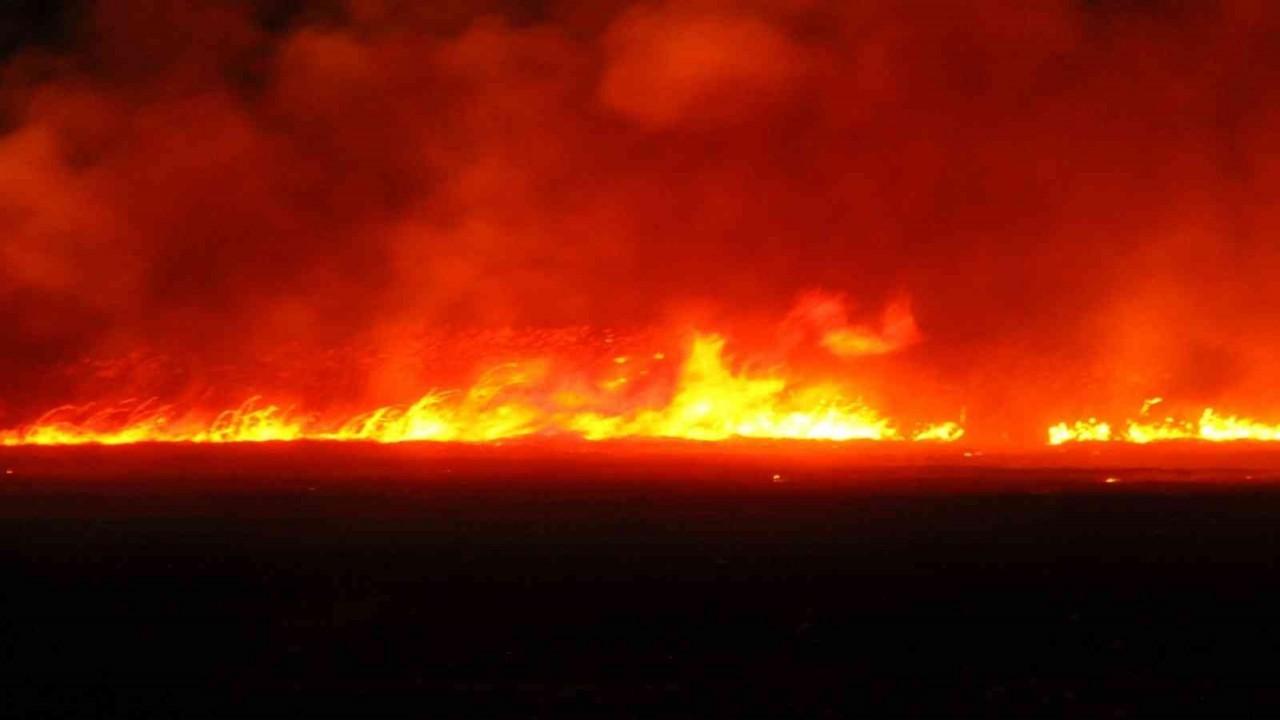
x: 600, y: 386
x: 985, y: 226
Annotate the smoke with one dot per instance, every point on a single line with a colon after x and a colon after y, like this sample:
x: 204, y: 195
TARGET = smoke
x: 1076, y: 196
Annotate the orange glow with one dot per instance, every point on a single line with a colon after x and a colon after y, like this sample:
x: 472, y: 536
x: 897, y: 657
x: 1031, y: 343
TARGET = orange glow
x: 709, y: 401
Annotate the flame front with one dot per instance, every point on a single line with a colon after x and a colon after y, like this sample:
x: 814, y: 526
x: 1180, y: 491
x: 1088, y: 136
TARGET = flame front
x: 136, y: 422
x: 1209, y: 426
x: 713, y: 403
x: 710, y: 401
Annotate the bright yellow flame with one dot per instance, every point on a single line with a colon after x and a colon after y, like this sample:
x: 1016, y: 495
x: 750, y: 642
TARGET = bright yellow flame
x: 129, y: 422
x: 1090, y: 430
x: 133, y: 422
x: 249, y: 423
x: 714, y: 403
x: 949, y: 431
x: 710, y: 401
x: 1166, y: 429
x: 479, y: 416
x: 1217, y: 428
x: 1210, y: 427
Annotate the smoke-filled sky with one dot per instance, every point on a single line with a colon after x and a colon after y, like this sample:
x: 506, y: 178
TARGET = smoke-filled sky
x: 1078, y: 197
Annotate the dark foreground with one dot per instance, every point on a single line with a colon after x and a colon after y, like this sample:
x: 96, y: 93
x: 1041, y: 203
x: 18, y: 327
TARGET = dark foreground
x: 204, y: 585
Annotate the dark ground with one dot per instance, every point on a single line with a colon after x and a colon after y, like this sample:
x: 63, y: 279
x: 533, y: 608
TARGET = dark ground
x: 208, y: 585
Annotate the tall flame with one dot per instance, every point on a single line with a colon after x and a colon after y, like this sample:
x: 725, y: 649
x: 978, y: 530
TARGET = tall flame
x: 713, y: 403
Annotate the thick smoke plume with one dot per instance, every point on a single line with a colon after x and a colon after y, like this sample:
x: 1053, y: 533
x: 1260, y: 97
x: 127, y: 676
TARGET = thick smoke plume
x: 1077, y: 197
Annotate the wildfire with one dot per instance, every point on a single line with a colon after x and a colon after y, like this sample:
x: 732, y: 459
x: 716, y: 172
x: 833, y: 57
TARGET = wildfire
x: 135, y: 422
x: 1090, y: 430
x: 710, y: 401
x: 1209, y: 426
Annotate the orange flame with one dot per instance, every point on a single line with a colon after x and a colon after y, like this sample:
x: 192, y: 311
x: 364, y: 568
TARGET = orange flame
x: 1209, y: 426
x: 710, y: 401
x: 713, y: 403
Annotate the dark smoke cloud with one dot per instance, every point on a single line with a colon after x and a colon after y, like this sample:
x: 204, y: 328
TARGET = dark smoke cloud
x: 1077, y: 196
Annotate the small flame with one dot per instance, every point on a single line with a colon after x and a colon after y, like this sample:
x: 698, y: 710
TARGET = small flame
x: 1090, y: 430
x: 949, y: 431
x: 1209, y: 426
